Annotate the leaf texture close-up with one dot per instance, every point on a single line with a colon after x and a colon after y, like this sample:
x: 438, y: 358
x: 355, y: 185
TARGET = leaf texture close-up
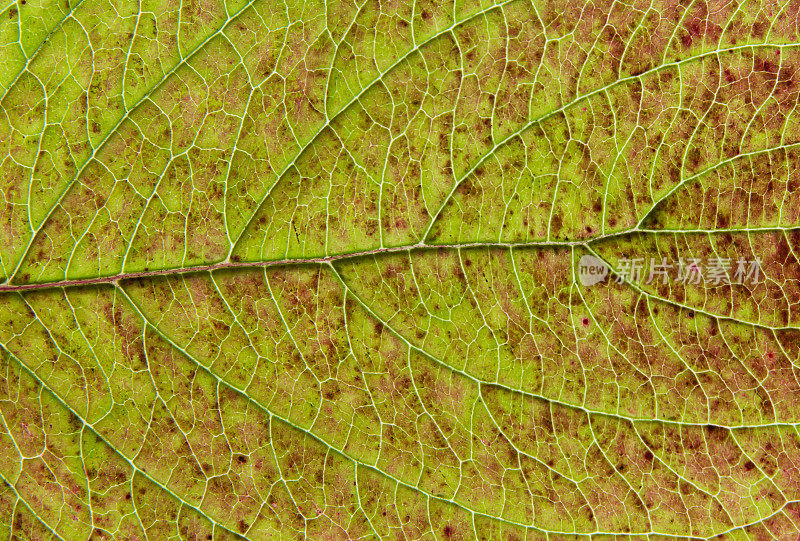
x: 386, y: 269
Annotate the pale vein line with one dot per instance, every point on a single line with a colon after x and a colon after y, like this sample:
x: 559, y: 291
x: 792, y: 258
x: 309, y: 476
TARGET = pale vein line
x: 135, y: 469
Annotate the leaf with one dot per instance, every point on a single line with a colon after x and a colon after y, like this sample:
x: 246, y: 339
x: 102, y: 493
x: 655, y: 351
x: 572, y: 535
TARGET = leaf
x: 311, y: 270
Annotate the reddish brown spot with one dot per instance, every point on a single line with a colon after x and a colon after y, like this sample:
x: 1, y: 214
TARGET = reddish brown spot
x: 585, y: 322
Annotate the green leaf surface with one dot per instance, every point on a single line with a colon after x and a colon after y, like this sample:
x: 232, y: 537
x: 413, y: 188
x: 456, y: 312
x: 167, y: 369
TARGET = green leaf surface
x: 309, y: 270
